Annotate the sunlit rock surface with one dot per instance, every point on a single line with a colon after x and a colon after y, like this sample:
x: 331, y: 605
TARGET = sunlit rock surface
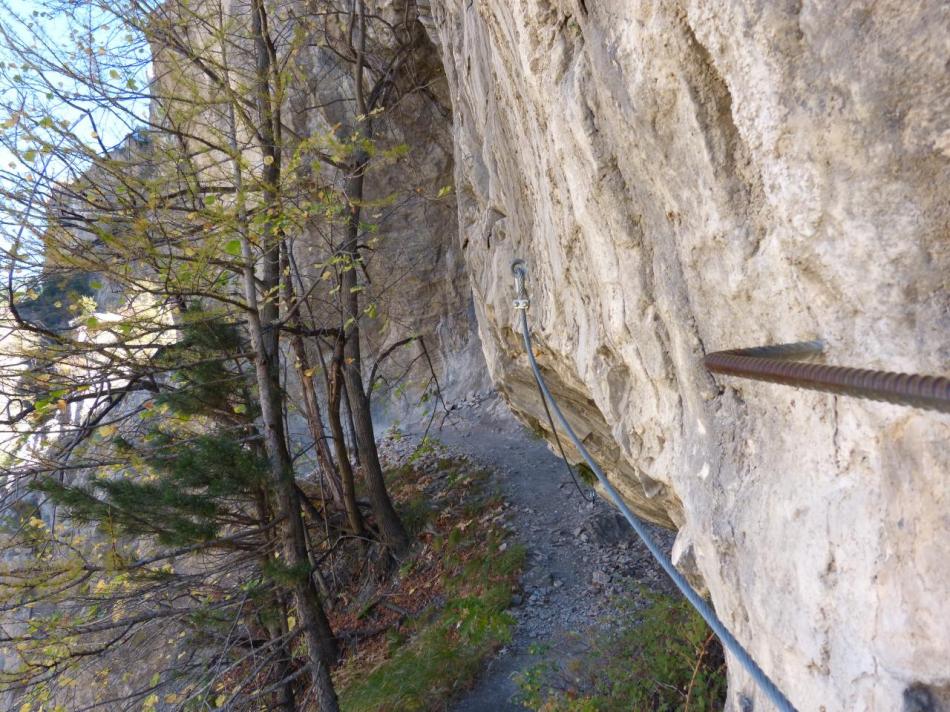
x: 687, y: 177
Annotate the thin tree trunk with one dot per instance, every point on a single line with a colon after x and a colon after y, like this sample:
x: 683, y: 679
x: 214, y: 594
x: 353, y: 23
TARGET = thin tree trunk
x: 261, y: 322
x: 311, y: 405
x: 285, y: 699
x: 350, y: 427
x: 315, y: 423
x: 262, y: 325
x: 284, y: 696
x: 353, y: 514
x: 390, y: 526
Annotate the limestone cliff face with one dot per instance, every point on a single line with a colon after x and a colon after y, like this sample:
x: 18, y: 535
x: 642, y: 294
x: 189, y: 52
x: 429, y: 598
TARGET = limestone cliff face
x: 415, y: 273
x: 684, y: 177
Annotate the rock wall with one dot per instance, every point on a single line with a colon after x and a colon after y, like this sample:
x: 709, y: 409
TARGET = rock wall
x: 684, y: 177
x: 415, y: 273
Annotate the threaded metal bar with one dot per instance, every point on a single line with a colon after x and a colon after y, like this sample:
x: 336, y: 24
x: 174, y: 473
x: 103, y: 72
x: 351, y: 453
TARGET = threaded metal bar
x: 729, y: 641
x: 776, y: 364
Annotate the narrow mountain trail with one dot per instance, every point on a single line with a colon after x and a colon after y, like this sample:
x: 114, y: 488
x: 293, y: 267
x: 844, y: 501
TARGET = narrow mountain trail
x: 581, y: 555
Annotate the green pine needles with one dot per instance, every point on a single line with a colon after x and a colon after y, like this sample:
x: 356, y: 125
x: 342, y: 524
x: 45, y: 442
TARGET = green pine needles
x: 191, y: 492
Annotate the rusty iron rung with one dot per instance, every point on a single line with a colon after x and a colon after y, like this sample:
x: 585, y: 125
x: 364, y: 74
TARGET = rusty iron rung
x: 778, y: 364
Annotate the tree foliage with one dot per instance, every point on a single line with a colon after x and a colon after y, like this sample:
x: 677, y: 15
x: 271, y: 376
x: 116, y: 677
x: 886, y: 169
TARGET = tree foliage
x: 186, y: 245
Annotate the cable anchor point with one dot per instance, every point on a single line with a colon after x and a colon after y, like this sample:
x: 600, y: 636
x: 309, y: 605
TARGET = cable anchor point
x: 520, y: 271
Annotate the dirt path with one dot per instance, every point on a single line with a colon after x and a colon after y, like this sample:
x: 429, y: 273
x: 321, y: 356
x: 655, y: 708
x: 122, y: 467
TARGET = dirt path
x: 580, y: 554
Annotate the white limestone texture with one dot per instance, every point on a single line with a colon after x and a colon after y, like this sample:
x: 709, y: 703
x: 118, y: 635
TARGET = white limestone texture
x: 684, y: 177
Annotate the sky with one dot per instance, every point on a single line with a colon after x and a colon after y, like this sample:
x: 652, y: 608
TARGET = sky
x: 116, y: 57
x: 19, y: 156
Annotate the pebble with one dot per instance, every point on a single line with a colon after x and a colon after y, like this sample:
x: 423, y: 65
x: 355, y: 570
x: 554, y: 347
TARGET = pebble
x: 561, y: 533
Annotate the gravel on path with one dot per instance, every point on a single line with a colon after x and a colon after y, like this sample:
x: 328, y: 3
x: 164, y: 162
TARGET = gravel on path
x: 581, y: 555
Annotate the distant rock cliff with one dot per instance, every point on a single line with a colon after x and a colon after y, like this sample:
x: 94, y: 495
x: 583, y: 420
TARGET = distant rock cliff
x: 683, y: 177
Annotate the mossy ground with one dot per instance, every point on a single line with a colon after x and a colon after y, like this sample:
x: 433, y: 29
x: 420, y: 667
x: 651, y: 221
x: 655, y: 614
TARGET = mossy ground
x: 445, y: 613
x: 661, y: 658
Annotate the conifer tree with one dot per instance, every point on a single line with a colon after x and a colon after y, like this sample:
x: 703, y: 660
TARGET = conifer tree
x: 156, y: 306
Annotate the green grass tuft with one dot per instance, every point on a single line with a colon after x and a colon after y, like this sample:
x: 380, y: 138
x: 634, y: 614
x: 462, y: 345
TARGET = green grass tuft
x: 446, y: 655
x: 665, y: 660
x: 585, y: 473
x: 442, y: 650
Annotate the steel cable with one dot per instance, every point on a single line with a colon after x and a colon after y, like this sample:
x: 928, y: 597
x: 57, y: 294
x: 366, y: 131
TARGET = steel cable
x: 560, y: 447
x: 521, y: 304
